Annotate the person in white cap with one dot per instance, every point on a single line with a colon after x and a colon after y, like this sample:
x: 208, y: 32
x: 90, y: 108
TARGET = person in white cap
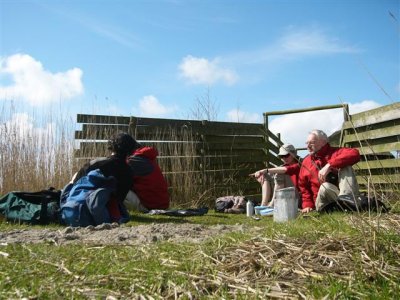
x: 272, y: 179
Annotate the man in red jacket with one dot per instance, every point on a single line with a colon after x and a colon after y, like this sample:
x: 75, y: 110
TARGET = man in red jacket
x: 149, y: 189
x: 323, y: 163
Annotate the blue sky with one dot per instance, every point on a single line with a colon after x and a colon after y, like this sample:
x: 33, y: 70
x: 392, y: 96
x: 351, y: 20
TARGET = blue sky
x: 158, y: 58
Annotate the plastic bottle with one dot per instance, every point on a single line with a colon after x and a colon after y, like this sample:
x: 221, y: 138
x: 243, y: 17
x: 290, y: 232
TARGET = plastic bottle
x: 249, y: 209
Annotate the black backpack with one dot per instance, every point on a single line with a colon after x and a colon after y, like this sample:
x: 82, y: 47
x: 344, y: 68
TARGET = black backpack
x: 231, y: 204
x: 40, y: 207
x: 349, y: 204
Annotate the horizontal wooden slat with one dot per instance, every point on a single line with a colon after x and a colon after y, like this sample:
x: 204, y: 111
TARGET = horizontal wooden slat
x: 91, y: 131
x: 91, y: 149
x: 164, y: 134
x: 99, y: 132
x: 158, y: 122
x: 236, y: 146
x: 230, y: 130
x: 374, y: 142
x: 370, y: 127
x: 220, y: 191
x: 380, y: 114
x: 196, y: 124
x: 380, y: 148
x: 238, y: 172
x: 231, y: 140
x: 381, y: 179
x: 235, y: 159
x: 272, y: 148
x: 101, y: 119
x: 221, y: 125
x: 273, y: 137
x: 148, y: 132
x: 301, y: 110
x: 232, y: 152
x: 374, y: 134
x: 252, y: 167
x: 378, y: 164
x: 272, y: 159
x: 168, y: 164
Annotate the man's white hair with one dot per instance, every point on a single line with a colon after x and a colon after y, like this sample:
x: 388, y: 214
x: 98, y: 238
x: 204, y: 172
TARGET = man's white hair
x: 319, y: 134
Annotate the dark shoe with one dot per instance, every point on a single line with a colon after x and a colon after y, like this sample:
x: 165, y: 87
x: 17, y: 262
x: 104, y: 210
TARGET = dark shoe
x: 343, y: 203
x: 348, y: 203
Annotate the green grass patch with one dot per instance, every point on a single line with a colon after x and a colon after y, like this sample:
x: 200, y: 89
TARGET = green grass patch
x: 335, y: 256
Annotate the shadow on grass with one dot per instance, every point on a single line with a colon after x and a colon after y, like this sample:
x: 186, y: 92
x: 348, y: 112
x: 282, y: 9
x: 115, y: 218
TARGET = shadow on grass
x: 207, y: 218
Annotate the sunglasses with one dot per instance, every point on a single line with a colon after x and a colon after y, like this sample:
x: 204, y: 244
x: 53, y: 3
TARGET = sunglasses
x: 284, y: 156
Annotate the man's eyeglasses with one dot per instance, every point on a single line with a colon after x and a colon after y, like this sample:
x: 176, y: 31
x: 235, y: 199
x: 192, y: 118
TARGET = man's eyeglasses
x: 284, y: 156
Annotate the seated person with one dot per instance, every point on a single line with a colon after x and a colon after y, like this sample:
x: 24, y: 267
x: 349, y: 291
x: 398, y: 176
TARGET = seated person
x: 100, y: 186
x: 149, y: 189
x: 319, y: 165
x: 273, y: 179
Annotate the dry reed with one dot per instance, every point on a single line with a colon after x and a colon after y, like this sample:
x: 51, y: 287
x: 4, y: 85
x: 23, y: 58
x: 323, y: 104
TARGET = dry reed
x: 284, y: 268
x: 35, y: 152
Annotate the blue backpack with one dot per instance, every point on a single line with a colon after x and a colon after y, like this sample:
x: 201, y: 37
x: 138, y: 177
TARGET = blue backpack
x: 84, y: 203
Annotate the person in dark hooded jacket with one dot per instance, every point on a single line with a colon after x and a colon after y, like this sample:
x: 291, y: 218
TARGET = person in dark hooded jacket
x: 149, y: 189
x: 121, y: 145
x: 100, y: 187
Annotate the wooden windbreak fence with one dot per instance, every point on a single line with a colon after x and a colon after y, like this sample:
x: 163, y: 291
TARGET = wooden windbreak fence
x: 201, y: 160
x: 376, y: 133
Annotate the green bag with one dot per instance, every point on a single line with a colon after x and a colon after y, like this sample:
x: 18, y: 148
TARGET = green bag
x: 31, y: 207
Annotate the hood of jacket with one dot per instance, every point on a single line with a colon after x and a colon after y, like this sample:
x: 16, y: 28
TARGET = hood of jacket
x: 148, y: 152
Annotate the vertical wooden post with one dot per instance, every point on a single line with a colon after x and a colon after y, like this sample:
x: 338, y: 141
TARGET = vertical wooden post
x: 346, y: 118
x: 266, y: 137
x: 346, y: 114
x: 132, y: 126
x: 203, y: 153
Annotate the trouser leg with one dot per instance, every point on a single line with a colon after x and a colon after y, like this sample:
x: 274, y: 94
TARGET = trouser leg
x: 97, y: 206
x: 132, y: 202
x: 327, y: 193
x: 348, y: 184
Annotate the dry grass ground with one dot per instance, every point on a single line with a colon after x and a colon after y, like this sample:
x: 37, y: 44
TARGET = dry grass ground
x: 215, y: 256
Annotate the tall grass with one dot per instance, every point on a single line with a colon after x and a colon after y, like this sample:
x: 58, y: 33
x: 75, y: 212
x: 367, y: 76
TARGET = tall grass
x: 36, y: 151
x: 194, y: 178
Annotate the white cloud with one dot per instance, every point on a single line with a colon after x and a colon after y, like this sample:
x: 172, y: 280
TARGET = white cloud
x: 294, y: 128
x: 311, y: 42
x: 237, y: 115
x: 150, y: 106
x: 202, y: 71
x: 362, y: 106
x: 294, y: 43
x: 31, y: 82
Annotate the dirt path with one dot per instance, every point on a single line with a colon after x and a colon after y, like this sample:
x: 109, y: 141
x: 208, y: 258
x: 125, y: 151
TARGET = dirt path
x: 109, y: 234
